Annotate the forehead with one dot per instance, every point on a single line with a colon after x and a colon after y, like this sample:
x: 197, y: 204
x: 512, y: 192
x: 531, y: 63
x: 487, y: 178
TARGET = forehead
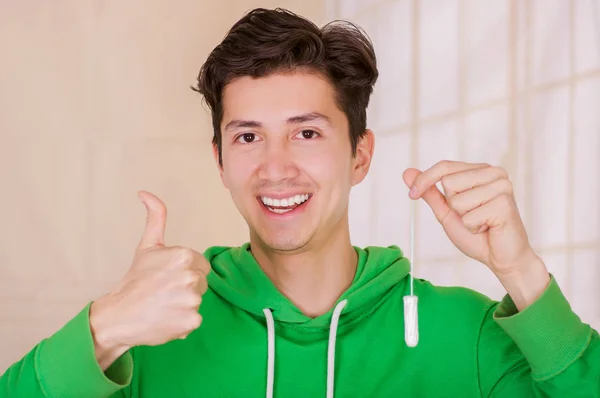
x: 278, y: 95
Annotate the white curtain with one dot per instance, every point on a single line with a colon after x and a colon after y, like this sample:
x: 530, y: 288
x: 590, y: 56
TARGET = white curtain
x: 514, y: 83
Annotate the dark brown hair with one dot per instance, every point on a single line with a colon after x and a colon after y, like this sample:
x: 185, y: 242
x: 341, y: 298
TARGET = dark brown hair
x: 266, y: 41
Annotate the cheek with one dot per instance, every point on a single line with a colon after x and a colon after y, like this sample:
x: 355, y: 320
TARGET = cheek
x: 329, y: 168
x: 237, y: 172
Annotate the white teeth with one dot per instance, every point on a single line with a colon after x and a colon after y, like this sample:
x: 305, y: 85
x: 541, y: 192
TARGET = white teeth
x: 279, y: 211
x: 298, y: 199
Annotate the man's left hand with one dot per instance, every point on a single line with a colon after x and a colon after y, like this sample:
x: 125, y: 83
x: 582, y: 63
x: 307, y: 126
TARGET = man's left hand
x: 479, y: 214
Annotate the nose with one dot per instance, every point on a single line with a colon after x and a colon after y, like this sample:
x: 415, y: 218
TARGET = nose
x: 277, y: 163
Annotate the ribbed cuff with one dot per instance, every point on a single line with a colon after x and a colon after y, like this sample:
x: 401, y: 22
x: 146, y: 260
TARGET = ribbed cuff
x: 67, y: 365
x: 548, y: 333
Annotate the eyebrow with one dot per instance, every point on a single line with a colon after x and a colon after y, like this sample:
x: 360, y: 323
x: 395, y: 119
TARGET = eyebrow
x: 306, y: 117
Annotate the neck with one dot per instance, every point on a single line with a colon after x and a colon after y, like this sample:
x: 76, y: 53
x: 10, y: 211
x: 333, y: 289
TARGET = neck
x: 314, y: 278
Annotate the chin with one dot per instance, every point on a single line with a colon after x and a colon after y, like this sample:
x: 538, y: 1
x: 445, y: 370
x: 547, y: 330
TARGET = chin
x: 285, y: 243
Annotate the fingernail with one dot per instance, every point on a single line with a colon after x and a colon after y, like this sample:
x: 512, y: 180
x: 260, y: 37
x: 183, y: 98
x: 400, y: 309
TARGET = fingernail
x: 413, y: 192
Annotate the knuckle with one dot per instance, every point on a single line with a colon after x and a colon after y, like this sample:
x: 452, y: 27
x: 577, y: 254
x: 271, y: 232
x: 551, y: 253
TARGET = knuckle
x: 454, y: 203
x: 444, y: 165
x: 202, y: 286
x: 189, y: 324
x: 195, y: 321
x: 507, y: 187
x: 501, y: 171
x: 468, y: 222
x: 195, y: 300
x: 447, y: 183
x: 204, y: 265
x: 189, y: 277
x: 461, y: 210
x: 185, y: 255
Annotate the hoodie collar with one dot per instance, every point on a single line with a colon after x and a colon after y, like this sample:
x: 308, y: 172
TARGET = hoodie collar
x: 239, y: 279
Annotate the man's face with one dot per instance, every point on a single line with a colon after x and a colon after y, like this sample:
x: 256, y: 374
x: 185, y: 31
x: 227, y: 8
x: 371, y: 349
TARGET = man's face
x: 287, y: 159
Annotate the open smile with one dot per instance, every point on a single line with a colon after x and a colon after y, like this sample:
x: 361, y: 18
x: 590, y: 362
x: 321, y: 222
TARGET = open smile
x: 285, y: 205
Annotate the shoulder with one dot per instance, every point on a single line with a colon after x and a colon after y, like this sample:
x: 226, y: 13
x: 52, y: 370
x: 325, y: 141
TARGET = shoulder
x: 459, y: 308
x: 451, y: 295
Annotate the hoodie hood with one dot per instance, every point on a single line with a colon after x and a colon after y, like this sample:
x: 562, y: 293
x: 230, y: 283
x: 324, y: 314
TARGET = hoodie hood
x: 237, y: 278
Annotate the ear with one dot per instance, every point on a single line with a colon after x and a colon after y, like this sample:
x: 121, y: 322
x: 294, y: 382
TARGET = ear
x: 364, y: 154
x: 215, y: 152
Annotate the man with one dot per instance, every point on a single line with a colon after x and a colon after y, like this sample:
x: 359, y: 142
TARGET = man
x: 298, y: 311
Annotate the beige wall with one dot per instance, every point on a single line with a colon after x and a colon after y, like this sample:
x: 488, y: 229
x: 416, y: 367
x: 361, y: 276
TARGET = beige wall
x: 95, y: 105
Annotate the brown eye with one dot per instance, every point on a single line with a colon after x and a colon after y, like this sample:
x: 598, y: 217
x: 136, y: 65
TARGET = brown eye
x: 308, y: 134
x: 247, y: 138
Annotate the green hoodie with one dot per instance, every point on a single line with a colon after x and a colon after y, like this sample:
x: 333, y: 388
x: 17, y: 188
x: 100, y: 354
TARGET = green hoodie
x: 469, y: 346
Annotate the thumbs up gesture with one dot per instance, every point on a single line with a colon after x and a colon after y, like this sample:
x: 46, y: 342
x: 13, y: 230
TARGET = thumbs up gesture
x: 158, y: 299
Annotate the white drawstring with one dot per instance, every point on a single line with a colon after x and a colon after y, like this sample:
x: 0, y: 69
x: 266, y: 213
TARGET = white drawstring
x: 271, y: 351
x: 331, y: 348
x: 335, y: 318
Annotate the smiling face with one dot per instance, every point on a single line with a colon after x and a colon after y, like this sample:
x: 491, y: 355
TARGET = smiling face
x: 287, y: 159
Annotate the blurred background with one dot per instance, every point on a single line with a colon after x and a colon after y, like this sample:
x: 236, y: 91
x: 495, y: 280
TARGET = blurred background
x: 95, y: 105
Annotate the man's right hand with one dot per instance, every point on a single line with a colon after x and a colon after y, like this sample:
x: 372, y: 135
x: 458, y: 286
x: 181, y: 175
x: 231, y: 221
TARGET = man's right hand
x: 158, y: 299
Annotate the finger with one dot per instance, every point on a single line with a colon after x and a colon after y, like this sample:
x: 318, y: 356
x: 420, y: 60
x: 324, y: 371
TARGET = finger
x: 192, y: 322
x: 183, y: 256
x: 490, y: 215
x: 202, y: 286
x: 436, y: 200
x: 466, y: 201
x: 201, y: 264
x: 156, y: 220
x: 410, y: 175
x: 433, y: 197
x: 463, y: 181
x: 193, y: 279
x: 434, y: 175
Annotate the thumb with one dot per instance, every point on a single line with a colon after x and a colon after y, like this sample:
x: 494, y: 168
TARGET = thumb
x: 156, y: 221
x: 432, y: 196
x: 409, y: 176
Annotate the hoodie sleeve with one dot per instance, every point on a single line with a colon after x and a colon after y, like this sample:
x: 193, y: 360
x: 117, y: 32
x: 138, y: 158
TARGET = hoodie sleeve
x: 64, y: 365
x: 543, y: 351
